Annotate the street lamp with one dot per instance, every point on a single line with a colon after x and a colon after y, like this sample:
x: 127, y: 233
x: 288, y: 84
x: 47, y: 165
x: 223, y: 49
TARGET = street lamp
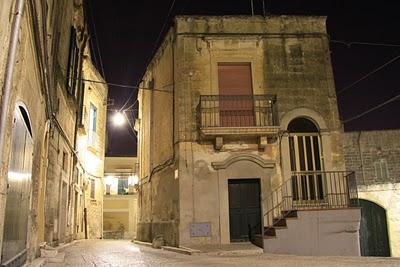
x: 119, y: 119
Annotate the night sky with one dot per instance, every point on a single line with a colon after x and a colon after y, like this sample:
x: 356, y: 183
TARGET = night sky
x: 127, y: 31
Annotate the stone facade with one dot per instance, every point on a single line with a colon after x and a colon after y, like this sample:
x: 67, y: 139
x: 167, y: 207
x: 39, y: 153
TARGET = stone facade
x: 185, y: 167
x: 44, y: 85
x: 375, y: 157
x: 120, y: 199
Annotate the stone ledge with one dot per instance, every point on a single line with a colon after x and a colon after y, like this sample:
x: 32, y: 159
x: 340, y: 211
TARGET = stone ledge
x: 239, y: 131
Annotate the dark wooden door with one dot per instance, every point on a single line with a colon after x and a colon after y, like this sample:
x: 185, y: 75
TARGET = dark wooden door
x: 244, y: 208
x: 374, y: 239
x: 236, y: 95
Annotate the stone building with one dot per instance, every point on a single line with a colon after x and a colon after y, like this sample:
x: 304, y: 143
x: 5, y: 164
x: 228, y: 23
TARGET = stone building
x: 120, y: 197
x: 375, y: 157
x: 89, y: 170
x: 239, y: 132
x: 41, y: 69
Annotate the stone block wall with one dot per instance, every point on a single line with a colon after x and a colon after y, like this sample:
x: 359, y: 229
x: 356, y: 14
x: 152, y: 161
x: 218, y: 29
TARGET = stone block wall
x: 366, y: 151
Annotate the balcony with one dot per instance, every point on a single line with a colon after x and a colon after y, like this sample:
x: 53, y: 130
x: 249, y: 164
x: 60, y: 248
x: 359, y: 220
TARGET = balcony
x: 237, y: 115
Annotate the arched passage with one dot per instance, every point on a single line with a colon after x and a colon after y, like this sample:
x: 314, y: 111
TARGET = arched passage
x: 18, y: 188
x: 374, y: 239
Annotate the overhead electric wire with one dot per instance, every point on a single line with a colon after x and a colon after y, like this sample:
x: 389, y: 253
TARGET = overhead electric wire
x: 363, y: 43
x: 125, y: 85
x: 392, y: 99
x: 367, y: 75
x: 97, y: 41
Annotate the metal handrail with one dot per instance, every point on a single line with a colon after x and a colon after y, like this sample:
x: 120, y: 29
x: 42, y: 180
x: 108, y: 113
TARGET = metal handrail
x: 310, y: 190
x: 237, y: 110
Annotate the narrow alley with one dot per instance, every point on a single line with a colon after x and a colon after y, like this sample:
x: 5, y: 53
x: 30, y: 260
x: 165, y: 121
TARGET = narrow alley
x: 120, y: 253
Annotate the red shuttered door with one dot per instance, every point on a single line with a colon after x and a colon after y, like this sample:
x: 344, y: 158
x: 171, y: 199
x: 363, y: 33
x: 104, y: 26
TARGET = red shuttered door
x: 236, y: 95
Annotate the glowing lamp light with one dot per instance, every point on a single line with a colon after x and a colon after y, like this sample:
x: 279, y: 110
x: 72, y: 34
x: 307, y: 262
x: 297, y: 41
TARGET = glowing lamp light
x: 133, y: 179
x: 109, y: 180
x: 119, y: 119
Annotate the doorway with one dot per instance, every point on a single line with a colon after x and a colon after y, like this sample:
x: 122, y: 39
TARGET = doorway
x: 244, y: 208
x: 18, y: 190
x: 374, y: 240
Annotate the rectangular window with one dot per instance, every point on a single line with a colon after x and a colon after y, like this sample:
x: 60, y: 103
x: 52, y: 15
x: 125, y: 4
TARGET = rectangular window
x: 92, y: 125
x: 122, y: 186
x: 65, y: 161
x: 92, y: 189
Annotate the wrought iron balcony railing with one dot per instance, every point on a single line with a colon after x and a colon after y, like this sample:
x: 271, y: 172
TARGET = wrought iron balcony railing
x: 237, y: 111
x: 310, y: 190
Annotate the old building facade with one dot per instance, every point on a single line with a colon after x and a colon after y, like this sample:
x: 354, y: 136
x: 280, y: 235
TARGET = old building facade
x: 238, y: 131
x: 41, y: 67
x: 375, y: 156
x: 120, y: 197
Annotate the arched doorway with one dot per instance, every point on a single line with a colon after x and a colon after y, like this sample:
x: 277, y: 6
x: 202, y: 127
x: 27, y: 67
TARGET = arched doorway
x: 305, y: 161
x: 374, y: 240
x: 18, y: 189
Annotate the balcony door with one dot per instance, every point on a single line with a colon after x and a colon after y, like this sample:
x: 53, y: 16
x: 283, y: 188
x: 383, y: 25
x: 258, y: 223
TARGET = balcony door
x: 236, y: 106
x: 305, y: 161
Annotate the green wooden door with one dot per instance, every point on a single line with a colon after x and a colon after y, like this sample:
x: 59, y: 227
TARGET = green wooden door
x: 244, y: 208
x: 374, y: 240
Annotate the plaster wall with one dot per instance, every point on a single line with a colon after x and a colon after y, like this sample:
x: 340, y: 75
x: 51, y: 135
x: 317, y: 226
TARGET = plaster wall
x: 318, y: 233
x: 121, y: 211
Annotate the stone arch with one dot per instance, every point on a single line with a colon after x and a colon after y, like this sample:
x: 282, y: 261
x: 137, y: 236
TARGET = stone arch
x: 243, y: 157
x: 307, y: 113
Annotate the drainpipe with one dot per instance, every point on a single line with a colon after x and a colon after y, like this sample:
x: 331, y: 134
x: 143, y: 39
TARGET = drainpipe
x: 5, y: 101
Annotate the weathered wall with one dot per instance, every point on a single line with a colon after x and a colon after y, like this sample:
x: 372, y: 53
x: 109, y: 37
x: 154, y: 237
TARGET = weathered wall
x: 304, y: 89
x: 362, y: 151
x: 91, y: 154
x: 27, y: 91
x: 158, y: 195
x: 120, y: 213
x: 304, y: 86
x: 58, y: 207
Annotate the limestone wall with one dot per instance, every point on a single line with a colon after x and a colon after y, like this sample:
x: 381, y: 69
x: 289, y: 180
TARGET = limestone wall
x: 364, y: 153
x: 388, y: 197
x: 26, y: 91
x: 289, y: 57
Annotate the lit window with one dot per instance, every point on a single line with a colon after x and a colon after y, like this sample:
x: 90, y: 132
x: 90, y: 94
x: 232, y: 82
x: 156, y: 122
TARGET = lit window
x: 92, y: 125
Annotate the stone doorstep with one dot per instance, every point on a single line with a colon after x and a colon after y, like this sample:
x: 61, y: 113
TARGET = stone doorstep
x: 182, y: 250
x: 138, y: 242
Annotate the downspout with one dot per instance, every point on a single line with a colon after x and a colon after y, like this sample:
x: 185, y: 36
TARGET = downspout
x: 5, y: 101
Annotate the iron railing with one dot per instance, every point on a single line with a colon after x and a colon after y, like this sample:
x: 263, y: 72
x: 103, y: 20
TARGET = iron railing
x: 237, y: 110
x: 310, y: 190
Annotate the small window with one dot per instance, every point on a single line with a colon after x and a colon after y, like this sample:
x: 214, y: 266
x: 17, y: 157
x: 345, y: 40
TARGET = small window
x: 65, y: 161
x: 92, y: 118
x: 381, y: 170
x: 295, y: 58
x: 92, y: 189
x: 92, y: 125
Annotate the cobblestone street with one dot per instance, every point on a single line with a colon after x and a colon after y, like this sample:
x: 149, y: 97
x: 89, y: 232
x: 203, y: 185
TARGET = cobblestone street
x: 124, y: 253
